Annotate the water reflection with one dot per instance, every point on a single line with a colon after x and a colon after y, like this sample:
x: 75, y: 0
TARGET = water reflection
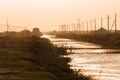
x: 102, y: 64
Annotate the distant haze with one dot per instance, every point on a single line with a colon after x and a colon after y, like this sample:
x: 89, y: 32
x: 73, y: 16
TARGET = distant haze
x: 49, y: 14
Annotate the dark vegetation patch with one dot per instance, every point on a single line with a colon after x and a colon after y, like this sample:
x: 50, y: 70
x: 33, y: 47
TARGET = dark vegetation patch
x: 24, y: 56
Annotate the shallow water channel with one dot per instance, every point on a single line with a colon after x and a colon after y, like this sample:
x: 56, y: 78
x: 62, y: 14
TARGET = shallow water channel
x: 102, y: 64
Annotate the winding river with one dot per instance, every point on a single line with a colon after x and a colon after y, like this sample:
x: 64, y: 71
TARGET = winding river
x: 102, y: 64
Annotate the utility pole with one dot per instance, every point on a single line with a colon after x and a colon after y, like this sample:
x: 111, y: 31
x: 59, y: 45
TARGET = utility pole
x: 87, y: 26
x: 74, y: 27
x: 15, y: 28
x: 91, y: 24
x: 63, y: 28
x: 60, y: 27
x: 67, y: 28
x: 95, y: 24
x: 101, y: 22
x: 83, y: 26
x: 79, y: 25
x: 108, y: 18
x: 7, y: 25
x: 1, y: 28
x: 115, y: 22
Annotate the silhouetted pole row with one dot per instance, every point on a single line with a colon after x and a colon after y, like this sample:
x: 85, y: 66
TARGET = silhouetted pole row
x: 90, y: 26
x: 7, y: 27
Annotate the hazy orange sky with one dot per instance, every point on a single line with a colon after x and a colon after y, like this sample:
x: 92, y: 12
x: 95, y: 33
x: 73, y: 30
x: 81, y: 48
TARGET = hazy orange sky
x: 49, y: 14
